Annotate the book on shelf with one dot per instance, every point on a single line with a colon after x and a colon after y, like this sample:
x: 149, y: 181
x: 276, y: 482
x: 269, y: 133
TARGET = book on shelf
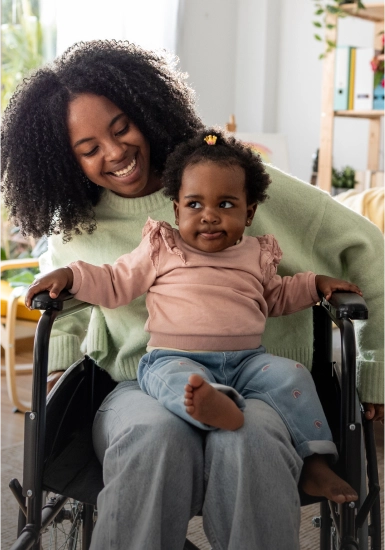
x: 363, y: 80
x: 354, y: 80
x: 343, y: 93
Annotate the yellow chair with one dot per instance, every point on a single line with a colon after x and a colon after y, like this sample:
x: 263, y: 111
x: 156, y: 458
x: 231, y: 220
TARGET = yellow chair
x: 17, y: 322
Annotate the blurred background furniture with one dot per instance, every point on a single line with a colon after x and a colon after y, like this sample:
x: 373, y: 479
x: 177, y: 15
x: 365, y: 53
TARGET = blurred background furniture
x: 16, y: 322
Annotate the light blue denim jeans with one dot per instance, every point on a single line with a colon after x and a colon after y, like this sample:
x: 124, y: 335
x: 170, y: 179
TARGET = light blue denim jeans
x: 159, y: 471
x: 285, y: 385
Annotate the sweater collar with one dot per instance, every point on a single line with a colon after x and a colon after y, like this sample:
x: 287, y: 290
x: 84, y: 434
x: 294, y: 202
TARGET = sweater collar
x: 134, y: 206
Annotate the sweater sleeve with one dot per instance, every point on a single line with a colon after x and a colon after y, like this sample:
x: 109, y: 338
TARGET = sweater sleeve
x: 115, y: 285
x: 67, y: 334
x: 349, y: 240
x: 284, y: 295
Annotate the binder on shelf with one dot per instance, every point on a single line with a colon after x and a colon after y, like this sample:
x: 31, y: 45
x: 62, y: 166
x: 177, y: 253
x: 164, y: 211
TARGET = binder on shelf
x: 342, y: 76
x: 363, y: 80
x: 352, y: 73
x: 378, y: 98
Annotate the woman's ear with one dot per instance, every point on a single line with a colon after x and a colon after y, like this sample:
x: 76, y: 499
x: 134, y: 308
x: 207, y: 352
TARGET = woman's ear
x: 250, y: 212
x: 176, y: 212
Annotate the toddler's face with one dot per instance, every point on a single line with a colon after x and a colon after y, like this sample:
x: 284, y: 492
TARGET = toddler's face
x: 212, y: 210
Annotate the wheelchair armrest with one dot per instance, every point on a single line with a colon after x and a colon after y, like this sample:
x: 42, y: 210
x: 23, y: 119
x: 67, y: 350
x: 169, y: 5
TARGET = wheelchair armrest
x: 65, y: 303
x: 43, y: 301
x: 346, y: 305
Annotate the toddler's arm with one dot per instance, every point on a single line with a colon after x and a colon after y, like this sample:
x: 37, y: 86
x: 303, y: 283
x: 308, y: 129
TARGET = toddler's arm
x: 327, y: 285
x: 55, y: 282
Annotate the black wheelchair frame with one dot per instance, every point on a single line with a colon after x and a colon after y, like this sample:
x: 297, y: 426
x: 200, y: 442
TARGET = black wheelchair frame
x: 59, y: 457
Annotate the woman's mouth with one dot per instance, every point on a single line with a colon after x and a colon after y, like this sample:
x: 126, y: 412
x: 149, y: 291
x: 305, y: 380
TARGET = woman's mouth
x: 124, y: 172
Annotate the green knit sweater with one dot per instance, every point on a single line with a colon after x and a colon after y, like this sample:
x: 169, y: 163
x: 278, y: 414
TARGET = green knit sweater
x: 315, y: 233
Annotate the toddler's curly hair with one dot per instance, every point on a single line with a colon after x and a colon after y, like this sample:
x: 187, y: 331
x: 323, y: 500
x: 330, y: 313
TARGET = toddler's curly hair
x: 43, y: 187
x: 227, y: 151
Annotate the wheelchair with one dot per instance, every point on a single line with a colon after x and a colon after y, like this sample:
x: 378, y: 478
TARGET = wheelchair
x: 62, y: 476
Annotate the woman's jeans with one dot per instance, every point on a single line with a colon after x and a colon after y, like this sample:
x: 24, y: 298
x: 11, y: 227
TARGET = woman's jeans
x: 283, y: 384
x: 159, y: 471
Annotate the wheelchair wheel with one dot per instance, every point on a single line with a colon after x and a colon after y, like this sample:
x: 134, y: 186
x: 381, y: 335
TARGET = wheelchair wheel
x: 71, y: 528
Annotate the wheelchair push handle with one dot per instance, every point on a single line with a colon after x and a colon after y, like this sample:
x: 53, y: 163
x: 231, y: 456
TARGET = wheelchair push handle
x: 43, y: 301
x: 346, y: 305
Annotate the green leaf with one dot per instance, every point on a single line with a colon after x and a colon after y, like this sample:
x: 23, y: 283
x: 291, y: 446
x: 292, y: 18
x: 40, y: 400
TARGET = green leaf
x: 330, y: 26
x: 332, y: 9
x: 24, y: 278
x: 3, y: 254
x: 319, y: 11
x: 321, y: 56
x: 317, y: 37
x: 317, y: 24
x: 331, y: 43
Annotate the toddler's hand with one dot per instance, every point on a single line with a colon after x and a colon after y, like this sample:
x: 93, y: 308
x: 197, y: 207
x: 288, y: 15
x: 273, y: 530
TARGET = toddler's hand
x: 374, y: 412
x: 328, y: 285
x: 54, y: 282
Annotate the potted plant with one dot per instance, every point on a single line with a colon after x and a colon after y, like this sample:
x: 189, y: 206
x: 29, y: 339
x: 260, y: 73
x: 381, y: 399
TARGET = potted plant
x: 343, y: 179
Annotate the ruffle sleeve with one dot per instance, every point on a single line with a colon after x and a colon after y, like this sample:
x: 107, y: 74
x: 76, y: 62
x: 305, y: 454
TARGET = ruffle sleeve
x: 271, y: 255
x: 161, y: 232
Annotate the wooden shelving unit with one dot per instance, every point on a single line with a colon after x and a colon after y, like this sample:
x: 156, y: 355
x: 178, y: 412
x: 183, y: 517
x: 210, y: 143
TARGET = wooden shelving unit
x: 374, y: 12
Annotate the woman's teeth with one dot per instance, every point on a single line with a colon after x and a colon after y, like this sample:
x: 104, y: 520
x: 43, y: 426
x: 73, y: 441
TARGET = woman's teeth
x: 126, y: 171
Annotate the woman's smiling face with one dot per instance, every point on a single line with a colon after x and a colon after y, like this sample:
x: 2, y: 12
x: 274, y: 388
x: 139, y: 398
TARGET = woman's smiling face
x: 109, y: 148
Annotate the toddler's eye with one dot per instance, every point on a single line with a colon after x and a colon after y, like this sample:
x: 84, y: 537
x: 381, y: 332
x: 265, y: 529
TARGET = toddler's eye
x: 194, y: 204
x: 226, y: 204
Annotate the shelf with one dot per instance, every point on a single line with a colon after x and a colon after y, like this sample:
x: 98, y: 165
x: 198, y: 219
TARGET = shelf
x: 360, y: 114
x: 372, y: 12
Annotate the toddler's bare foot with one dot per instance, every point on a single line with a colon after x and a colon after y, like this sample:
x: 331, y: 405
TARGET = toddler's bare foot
x: 317, y: 479
x: 210, y: 406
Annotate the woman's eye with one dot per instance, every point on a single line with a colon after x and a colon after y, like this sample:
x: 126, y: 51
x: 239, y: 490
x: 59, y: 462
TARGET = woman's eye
x: 194, y: 204
x: 122, y: 131
x: 90, y: 153
x: 226, y: 204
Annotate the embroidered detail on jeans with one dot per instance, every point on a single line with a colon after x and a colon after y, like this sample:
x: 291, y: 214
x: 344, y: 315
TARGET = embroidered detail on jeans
x: 299, y: 366
x: 317, y: 423
x: 296, y: 394
x: 265, y: 367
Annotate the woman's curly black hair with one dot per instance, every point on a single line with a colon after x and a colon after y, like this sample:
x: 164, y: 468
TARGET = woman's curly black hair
x: 227, y: 151
x: 43, y: 186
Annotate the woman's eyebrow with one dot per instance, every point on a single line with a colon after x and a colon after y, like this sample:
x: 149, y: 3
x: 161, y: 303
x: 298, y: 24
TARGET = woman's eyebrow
x: 84, y: 140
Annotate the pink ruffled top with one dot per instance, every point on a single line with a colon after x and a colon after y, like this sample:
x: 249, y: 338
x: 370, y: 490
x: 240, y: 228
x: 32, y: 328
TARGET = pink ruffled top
x: 197, y: 300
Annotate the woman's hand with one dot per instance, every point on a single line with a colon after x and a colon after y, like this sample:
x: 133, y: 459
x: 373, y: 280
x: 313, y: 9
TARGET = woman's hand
x: 55, y: 282
x: 374, y: 412
x: 328, y: 285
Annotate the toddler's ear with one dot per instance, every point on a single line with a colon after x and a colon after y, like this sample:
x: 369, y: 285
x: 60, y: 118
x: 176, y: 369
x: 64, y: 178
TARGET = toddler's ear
x: 251, y: 209
x: 176, y: 211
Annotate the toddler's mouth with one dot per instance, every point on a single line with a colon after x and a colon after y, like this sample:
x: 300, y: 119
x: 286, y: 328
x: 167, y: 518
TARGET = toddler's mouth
x: 211, y: 236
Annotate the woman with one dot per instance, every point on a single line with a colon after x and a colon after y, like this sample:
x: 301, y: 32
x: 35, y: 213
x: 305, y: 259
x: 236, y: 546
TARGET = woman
x: 84, y: 146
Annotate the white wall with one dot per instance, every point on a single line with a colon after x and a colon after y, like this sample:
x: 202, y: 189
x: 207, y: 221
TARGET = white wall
x: 207, y: 51
x: 150, y: 23
x: 258, y: 59
x: 275, y: 85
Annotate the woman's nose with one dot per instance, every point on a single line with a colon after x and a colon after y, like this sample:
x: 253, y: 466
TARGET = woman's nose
x: 114, y: 150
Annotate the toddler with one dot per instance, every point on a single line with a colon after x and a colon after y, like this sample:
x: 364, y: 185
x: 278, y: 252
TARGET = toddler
x: 209, y: 291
